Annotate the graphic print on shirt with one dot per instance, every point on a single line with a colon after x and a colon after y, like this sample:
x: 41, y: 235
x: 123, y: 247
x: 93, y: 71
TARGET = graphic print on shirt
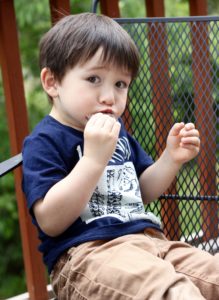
x: 97, y: 204
x: 122, y: 152
x: 114, y: 197
x: 128, y: 181
x: 117, y: 193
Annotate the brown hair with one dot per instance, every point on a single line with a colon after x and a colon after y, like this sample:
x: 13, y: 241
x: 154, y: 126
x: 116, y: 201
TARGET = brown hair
x: 76, y: 38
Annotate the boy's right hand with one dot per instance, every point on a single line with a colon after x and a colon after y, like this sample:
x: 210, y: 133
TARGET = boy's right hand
x: 100, y: 138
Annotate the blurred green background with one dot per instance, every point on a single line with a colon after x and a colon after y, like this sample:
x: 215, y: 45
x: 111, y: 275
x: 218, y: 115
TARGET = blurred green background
x: 33, y: 19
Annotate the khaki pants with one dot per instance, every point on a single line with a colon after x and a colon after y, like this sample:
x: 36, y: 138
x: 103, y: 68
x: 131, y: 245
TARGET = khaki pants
x: 137, y: 266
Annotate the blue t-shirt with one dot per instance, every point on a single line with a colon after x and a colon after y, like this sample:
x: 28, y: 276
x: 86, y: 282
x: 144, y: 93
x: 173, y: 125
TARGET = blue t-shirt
x: 115, y: 208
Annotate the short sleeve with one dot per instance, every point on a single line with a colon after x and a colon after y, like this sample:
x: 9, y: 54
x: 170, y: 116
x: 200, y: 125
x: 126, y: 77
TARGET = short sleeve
x: 141, y: 159
x: 43, y: 166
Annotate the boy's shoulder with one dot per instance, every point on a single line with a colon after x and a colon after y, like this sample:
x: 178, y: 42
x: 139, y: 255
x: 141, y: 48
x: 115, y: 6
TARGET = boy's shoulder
x: 51, y: 128
x: 47, y: 125
x: 49, y: 134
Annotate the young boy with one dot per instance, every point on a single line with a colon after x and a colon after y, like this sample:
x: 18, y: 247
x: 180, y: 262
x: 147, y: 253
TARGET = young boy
x: 86, y: 179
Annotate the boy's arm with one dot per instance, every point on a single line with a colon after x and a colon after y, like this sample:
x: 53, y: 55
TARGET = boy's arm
x: 65, y: 201
x: 182, y: 145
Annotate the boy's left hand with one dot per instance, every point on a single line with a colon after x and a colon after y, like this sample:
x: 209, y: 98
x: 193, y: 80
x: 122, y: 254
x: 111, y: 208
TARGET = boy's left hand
x: 183, y: 142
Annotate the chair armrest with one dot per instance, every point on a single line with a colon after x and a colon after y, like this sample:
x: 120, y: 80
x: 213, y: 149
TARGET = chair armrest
x: 10, y: 164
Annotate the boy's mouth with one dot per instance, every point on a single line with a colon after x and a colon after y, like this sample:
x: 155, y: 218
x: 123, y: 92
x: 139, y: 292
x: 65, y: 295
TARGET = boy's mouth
x: 108, y: 112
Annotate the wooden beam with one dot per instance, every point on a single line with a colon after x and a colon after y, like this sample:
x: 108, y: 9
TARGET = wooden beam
x: 198, y: 7
x: 110, y: 8
x: 162, y: 102
x: 155, y: 8
x: 205, y: 117
x: 18, y: 129
x: 59, y: 9
x: 206, y: 123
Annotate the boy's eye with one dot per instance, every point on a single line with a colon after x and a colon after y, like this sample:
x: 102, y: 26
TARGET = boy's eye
x: 93, y: 79
x: 121, y: 84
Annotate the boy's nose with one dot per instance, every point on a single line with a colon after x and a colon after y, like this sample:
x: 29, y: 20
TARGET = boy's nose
x: 107, y: 97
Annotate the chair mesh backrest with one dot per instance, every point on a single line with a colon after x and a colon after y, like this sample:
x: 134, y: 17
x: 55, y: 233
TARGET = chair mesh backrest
x: 179, y: 81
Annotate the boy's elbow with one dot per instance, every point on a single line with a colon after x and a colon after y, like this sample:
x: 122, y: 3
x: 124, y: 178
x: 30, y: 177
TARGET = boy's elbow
x: 44, y: 221
x: 48, y: 230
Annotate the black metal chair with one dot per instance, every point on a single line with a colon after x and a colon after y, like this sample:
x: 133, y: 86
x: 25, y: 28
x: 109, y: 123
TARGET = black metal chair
x: 179, y: 81
x: 10, y: 164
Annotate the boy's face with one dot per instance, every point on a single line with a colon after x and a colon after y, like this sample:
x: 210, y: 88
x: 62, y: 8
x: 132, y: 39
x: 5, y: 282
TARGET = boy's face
x: 90, y: 88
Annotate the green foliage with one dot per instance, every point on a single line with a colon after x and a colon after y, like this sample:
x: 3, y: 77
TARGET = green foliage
x: 132, y: 9
x: 33, y: 19
x: 179, y: 8
x: 11, y: 261
x: 213, y: 7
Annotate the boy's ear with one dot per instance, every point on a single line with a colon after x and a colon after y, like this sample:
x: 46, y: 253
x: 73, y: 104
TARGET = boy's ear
x: 49, y: 83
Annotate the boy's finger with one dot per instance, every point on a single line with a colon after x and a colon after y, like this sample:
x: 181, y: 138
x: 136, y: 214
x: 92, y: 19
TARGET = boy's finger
x: 189, y: 126
x: 116, y: 129
x: 96, y: 120
x: 94, y: 117
x: 190, y: 133
x: 190, y: 140
x: 109, y: 123
x: 175, y: 130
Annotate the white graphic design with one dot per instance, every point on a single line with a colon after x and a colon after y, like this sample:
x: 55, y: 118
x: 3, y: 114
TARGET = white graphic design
x: 96, y: 204
x: 118, y: 193
x: 122, y: 152
x: 127, y: 180
x: 79, y: 151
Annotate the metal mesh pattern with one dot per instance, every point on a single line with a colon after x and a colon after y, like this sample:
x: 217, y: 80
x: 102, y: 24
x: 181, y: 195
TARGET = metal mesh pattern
x: 179, y: 81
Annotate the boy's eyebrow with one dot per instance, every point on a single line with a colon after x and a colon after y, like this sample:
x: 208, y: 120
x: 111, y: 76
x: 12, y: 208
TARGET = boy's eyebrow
x: 95, y: 68
x: 101, y: 67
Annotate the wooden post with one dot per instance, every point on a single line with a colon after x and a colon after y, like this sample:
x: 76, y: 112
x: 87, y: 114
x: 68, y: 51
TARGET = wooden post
x: 18, y: 129
x: 59, y: 9
x: 110, y: 8
x: 205, y: 118
x: 198, y: 7
x: 162, y: 107
x: 155, y: 8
